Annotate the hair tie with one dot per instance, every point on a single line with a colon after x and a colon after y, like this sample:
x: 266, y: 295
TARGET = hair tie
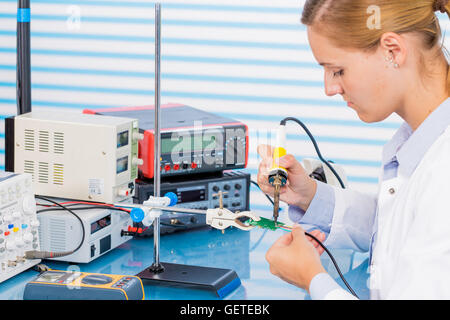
x: 440, y: 5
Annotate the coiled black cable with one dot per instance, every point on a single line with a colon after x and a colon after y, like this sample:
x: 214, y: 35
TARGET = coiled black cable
x: 334, y: 263
x: 283, y: 122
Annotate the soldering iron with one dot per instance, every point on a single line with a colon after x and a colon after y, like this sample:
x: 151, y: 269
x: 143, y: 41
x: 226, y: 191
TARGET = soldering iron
x: 278, y: 175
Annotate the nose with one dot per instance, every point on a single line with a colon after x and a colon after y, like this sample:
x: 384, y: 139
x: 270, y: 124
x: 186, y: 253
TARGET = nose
x: 333, y: 87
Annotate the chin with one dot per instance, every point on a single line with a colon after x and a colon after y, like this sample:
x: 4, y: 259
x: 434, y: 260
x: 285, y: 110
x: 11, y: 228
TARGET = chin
x: 368, y: 118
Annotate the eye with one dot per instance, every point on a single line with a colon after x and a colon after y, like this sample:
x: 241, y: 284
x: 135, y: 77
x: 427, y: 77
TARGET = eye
x: 340, y: 73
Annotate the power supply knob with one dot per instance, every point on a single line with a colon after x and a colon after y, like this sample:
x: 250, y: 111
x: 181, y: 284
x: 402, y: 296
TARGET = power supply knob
x: 11, y: 193
x: 16, y: 215
x: 34, y: 223
x: 137, y: 162
x: 3, y: 197
x: 138, y: 136
x: 10, y: 245
x: 7, y: 218
x: 28, y: 238
x: 29, y: 204
x: 19, y: 243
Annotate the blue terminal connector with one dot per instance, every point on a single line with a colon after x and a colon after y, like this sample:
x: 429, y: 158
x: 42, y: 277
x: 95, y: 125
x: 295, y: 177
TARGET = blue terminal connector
x: 173, y: 198
x: 137, y: 215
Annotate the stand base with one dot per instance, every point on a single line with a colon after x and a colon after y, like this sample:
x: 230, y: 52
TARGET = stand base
x: 221, y: 281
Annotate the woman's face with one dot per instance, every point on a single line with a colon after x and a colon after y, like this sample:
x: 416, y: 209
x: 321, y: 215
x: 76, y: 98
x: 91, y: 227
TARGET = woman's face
x: 365, y: 80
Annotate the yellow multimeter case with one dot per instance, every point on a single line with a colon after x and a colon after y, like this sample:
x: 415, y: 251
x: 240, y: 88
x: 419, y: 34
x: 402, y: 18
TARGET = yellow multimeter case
x: 69, y: 285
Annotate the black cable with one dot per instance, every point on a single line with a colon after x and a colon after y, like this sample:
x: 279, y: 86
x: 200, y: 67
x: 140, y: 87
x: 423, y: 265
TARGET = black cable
x: 267, y: 196
x: 44, y: 254
x: 83, y: 208
x: 283, y: 122
x: 334, y: 262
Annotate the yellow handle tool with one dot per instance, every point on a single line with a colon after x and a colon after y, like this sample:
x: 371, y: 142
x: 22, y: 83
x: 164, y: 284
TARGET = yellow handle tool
x: 278, y: 175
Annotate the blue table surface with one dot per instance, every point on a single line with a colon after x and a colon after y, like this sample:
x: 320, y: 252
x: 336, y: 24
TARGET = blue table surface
x: 241, y: 251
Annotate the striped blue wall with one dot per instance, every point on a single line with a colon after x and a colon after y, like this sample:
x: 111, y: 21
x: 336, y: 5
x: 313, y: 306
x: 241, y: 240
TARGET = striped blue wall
x: 240, y: 58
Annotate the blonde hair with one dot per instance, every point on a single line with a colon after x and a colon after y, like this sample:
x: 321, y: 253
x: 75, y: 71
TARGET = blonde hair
x: 347, y: 23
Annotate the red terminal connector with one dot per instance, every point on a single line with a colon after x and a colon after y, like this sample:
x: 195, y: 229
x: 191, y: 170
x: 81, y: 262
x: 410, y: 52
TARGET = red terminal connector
x: 193, y: 165
x: 176, y: 166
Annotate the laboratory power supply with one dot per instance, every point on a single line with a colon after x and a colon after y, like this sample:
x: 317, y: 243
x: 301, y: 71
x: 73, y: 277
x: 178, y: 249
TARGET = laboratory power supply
x: 192, y: 141
x: 75, y: 156
x: 98, y: 232
x: 18, y: 224
x: 198, y: 192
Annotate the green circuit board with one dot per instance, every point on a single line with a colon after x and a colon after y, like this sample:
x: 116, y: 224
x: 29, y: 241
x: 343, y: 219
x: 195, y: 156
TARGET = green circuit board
x: 265, y: 223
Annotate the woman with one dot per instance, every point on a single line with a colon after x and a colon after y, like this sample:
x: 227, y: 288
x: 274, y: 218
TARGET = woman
x: 383, y: 57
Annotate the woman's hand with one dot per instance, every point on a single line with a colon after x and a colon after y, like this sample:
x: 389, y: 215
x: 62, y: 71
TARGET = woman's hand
x: 295, y: 259
x: 320, y: 236
x: 300, y: 187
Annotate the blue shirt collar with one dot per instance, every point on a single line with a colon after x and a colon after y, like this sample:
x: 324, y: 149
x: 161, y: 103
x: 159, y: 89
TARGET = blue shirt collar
x: 408, y: 147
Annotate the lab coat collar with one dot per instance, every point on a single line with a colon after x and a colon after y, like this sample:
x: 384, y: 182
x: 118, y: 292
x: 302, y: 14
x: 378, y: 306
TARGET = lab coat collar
x: 408, y: 147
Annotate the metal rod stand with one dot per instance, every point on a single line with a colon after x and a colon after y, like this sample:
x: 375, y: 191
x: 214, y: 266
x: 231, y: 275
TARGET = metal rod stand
x: 157, y: 267
x: 221, y: 281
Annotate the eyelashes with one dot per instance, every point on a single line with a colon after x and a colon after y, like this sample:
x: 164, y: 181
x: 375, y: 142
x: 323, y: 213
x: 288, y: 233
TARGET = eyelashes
x: 340, y: 73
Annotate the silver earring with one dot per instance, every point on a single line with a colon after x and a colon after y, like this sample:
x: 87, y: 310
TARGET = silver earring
x: 392, y: 62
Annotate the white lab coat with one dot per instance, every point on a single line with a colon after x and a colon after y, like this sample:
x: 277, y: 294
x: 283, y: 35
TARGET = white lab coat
x: 411, y: 255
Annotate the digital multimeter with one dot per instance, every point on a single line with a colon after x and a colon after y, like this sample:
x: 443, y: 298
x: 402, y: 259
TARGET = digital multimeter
x: 68, y: 285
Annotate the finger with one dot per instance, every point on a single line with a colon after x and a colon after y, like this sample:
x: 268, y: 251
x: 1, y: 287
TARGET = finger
x: 319, y: 235
x: 263, y: 184
x: 264, y: 168
x: 298, y: 232
x: 291, y: 164
x: 284, y: 240
x: 265, y: 151
x: 316, y: 234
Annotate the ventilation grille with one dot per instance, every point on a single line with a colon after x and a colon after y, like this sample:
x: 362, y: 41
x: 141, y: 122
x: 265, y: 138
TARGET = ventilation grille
x: 43, y: 172
x: 43, y: 141
x: 29, y: 140
x: 58, y: 142
x: 58, y: 173
x: 28, y: 167
x: 57, y: 233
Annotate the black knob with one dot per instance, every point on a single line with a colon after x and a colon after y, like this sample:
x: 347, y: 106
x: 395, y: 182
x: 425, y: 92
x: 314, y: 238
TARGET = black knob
x: 237, y: 186
x: 226, y: 187
x: 216, y: 188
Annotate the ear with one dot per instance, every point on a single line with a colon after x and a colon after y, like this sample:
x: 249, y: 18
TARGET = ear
x: 394, y: 44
